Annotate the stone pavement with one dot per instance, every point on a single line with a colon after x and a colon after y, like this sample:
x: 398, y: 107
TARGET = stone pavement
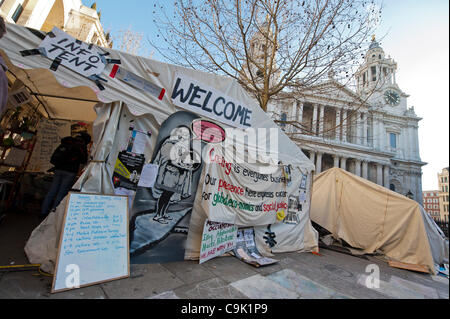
x: 332, y: 275
x: 296, y: 275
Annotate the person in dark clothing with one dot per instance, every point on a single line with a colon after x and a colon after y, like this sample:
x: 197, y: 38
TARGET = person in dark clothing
x: 66, y: 159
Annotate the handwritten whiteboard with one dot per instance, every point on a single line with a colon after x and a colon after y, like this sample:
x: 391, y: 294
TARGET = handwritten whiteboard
x: 94, y: 244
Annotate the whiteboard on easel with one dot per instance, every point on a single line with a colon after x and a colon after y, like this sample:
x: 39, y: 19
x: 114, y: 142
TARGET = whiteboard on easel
x: 94, y: 243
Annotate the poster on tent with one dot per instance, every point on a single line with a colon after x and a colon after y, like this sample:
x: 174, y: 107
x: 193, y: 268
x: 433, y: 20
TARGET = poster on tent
x: 164, y: 202
x: 236, y: 192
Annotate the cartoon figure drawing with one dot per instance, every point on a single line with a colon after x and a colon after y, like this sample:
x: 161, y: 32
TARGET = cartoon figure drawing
x: 177, y: 162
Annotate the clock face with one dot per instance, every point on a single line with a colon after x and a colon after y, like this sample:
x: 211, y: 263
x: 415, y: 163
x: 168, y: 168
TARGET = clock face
x: 392, y: 98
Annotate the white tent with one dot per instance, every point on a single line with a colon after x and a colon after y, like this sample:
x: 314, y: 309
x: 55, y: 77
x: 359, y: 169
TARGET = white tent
x: 69, y: 95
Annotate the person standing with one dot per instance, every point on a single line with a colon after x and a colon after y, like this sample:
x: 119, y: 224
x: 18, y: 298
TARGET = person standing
x: 67, y: 159
x: 3, y: 69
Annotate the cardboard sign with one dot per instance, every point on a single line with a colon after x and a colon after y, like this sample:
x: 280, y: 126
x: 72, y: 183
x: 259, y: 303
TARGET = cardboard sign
x: 94, y: 246
x: 246, y: 250
x: 218, y: 238
x: 199, y: 98
x: 72, y: 53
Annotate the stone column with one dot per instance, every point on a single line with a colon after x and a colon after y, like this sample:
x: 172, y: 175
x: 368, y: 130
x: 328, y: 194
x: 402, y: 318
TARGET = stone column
x: 312, y: 156
x: 379, y: 174
x: 319, y: 163
x: 314, y: 121
x: 322, y: 121
x: 358, y: 167
x: 300, y: 115
x: 386, y: 175
x: 336, y: 159
x: 344, y: 163
x: 358, y: 128
x: 344, y: 126
x: 365, y: 169
x: 364, y: 128
x: 338, y: 124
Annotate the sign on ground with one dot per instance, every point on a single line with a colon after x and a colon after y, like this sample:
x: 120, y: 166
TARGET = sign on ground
x: 94, y: 245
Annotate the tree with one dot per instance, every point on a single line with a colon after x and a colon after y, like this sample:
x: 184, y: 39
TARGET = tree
x: 130, y: 41
x: 268, y: 46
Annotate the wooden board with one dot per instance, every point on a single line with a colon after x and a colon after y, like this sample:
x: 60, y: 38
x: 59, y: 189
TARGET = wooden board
x: 94, y: 242
x: 413, y: 267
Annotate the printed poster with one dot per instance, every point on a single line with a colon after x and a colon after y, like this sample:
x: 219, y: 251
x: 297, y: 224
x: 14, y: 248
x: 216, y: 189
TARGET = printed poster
x: 127, y: 170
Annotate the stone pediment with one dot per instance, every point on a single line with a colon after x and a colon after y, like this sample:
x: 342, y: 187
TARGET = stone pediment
x: 331, y: 90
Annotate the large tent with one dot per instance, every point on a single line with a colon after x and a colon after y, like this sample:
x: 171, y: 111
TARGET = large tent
x: 66, y: 94
x: 375, y: 219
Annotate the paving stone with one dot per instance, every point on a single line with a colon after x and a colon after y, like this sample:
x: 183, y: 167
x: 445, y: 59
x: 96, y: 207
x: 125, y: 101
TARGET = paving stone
x: 165, y: 295
x: 24, y: 285
x: 260, y: 287
x: 391, y: 290
x: 214, y: 288
x: 230, y: 268
x: 427, y: 292
x: 189, y: 271
x: 304, y: 287
x: 145, y: 281
x: 91, y: 292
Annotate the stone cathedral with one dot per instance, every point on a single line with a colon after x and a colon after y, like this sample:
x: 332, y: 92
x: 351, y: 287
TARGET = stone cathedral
x: 371, y: 132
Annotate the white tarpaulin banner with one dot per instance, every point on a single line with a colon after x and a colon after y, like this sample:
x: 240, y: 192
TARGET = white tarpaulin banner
x: 239, y: 194
x: 276, y: 204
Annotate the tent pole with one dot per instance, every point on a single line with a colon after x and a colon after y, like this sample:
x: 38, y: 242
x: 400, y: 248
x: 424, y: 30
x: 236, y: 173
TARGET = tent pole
x: 64, y: 97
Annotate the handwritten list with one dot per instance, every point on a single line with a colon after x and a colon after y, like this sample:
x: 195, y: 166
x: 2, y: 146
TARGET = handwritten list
x: 48, y: 139
x: 94, y: 241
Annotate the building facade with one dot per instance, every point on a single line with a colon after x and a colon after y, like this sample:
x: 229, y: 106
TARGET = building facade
x: 371, y: 132
x: 71, y: 16
x: 443, y: 193
x: 431, y: 204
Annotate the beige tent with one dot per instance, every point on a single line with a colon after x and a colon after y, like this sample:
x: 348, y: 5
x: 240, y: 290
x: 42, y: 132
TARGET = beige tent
x: 376, y: 220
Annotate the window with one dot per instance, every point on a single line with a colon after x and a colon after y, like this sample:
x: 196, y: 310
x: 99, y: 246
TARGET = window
x: 17, y: 13
x: 283, y: 119
x: 392, y: 187
x: 393, y: 140
x: 373, y: 69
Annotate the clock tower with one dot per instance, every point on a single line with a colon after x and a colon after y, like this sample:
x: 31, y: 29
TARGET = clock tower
x: 376, y: 81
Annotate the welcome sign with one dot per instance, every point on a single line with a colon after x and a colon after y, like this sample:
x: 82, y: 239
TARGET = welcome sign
x: 199, y: 98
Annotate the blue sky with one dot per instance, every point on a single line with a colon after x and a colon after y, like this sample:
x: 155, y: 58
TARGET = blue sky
x: 415, y: 34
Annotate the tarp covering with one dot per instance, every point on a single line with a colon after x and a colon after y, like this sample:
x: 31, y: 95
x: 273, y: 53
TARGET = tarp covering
x: 375, y: 219
x: 117, y: 100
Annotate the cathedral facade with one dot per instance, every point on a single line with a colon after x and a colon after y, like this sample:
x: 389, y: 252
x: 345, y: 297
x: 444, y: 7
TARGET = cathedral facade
x: 370, y: 132
x: 71, y: 16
